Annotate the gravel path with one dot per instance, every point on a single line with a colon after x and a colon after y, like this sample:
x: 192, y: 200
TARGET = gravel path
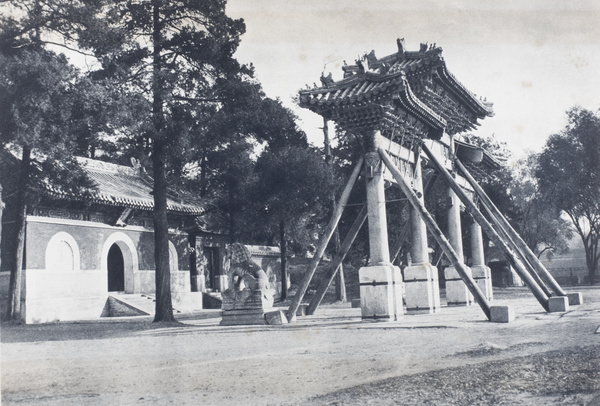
x: 566, y: 377
x: 455, y: 357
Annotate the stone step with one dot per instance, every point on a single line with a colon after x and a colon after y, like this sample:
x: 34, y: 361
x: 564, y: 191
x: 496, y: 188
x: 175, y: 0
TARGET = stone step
x: 212, y: 300
x: 142, y: 302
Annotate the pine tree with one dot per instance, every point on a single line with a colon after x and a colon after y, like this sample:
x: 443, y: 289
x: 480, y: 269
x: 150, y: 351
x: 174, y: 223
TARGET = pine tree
x: 179, y: 56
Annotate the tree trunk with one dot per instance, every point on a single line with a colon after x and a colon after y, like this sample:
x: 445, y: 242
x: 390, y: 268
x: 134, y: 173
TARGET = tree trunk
x: 590, y: 245
x: 591, y: 257
x: 164, y: 306
x: 193, y: 262
x: 340, y: 283
x: 231, y: 219
x: 1, y: 211
x: 18, y: 235
x: 203, y: 176
x: 284, y: 287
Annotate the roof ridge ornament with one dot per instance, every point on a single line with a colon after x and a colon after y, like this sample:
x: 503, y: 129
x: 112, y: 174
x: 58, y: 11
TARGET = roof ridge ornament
x: 401, y: 49
x: 327, y: 81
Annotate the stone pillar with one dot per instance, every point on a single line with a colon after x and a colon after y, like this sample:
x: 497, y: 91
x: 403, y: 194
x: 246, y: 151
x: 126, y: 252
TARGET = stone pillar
x: 380, y: 282
x: 422, y: 291
x: 481, y: 273
x: 379, y: 252
x: 457, y: 293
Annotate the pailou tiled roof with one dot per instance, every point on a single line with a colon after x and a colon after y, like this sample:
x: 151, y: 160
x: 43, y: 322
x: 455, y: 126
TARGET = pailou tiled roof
x: 121, y: 186
x: 398, y: 88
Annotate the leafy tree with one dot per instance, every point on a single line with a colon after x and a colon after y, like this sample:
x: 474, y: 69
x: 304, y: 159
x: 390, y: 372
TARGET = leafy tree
x: 178, y: 55
x: 224, y: 154
x: 50, y: 110
x: 569, y: 177
x: 495, y: 182
x: 37, y: 91
x: 230, y: 185
x: 292, y: 192
x: 541, y: 225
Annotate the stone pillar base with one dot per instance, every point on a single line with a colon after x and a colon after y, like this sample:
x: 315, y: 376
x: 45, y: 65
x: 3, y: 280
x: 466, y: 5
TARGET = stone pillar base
x: 502, y: 314
x: 575, y: 298
x: 558, y: 304
x: 422, y: 290
x: 380, y: 293
x: 457, y: 293
x: 482, y: 276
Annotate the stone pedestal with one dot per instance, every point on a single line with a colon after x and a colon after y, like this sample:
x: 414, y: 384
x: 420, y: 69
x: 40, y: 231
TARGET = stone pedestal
x: 246, y: 307
x: 501, y: 314
x: 457, y: 293
x: 558, y: 304
x: 421, y: 289
x: 482, y: 275
x: 276, y: 318
x: 380, y: 293
x: 575, y: 298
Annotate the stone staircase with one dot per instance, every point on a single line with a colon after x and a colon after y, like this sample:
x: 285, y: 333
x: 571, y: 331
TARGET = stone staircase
x: 130, y: 304
x: 211, y: 299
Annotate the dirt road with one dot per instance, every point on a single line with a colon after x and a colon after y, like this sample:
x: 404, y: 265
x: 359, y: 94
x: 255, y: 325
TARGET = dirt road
x: 455, y: 357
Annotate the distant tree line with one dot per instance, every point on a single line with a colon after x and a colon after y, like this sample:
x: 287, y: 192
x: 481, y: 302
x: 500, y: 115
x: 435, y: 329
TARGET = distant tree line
x: 553, y: 195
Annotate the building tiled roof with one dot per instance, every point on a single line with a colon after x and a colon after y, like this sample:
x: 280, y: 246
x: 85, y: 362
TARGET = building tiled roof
x: 417, y: 83
x: 121, y: 186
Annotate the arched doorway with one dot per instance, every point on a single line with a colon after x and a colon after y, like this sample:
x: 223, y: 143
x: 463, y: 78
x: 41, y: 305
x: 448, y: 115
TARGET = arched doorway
x: 128, y: 255
x: 116, y: 269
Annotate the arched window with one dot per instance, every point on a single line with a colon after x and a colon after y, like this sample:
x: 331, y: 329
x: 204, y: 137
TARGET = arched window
x: 62, y: 253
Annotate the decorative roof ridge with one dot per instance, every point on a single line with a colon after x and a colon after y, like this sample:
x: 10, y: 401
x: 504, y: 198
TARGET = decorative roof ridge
x: 416, y: 106
x: 107, y: 167
x: 371, y: 76
x: 364, y: 65
x: 129, y: 177
x: 483, y: 107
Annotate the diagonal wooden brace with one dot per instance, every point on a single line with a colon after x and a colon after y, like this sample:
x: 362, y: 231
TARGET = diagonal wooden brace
x: 435, y: 231
x: 490, y: 231
x: 493, y: 211
x: 403, y: 237
x: 337, y: 261
x: 324, y: 241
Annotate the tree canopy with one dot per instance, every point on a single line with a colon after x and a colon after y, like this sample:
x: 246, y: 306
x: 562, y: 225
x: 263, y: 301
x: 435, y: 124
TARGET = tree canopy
x: 539, y: 223
x: 569, y: 177
x: 290, y: 196
x: 161, y: 85
x: 38, y: 103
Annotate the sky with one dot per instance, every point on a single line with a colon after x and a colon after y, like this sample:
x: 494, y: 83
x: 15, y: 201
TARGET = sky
x: 534, y: 59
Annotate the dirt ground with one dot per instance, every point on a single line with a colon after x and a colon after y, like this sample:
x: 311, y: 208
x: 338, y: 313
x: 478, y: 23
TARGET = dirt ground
x: 455, y: 357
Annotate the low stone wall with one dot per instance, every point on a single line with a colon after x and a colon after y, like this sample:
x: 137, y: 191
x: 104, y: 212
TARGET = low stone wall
x: 59, y: 296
